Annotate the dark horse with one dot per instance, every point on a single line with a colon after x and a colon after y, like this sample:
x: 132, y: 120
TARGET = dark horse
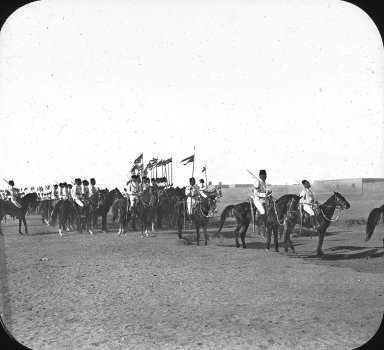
x: 205, y: 209
x: 280, y: 211
x: 106, y: 200
x: 373, y: 219
x: 8, y: 208
x: 323, y: 217
x: 145, y: 210
x: 65, y: 210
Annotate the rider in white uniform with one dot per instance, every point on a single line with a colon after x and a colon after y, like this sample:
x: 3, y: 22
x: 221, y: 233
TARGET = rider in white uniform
x: 307, y: 199
x: 15, y: 194
x: 260, y: 194
x: 133, y: 190
x: 193, y: 192
x: 77, y: 193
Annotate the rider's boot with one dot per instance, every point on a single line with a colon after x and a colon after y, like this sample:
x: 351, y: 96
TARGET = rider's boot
x: 313, y: 222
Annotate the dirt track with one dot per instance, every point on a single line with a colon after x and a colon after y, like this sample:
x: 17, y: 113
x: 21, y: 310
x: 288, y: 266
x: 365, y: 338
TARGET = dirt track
x: 111, y: 292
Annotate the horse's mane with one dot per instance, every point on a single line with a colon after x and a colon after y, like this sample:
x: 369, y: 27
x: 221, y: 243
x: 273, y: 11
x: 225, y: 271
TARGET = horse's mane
x: 283, y: 200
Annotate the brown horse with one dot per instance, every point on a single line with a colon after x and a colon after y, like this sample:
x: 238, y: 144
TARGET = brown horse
x: 324, y: 217
x: 205, y: 209
x: 280, y: 211
x: 8, y: 208
x: 373, y: 219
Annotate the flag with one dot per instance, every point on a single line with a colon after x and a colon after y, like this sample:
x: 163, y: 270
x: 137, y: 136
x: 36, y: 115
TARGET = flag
x: 140, y: 167
x: 188, y: 160
x: 134, y: 167
x: 139, y: 159
x: 153, y: 161
x: 148, y: 166
x: 159, y: 163
x: 203, y: 170
x: 168, y: 161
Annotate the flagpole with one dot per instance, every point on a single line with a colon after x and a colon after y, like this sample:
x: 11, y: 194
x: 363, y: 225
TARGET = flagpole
x: 193, y: 165
x: 206, y: 181
x: 171, y: 172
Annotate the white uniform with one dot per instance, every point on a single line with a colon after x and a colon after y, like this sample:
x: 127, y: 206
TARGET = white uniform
x: 193, y: 192
x: 133, y: 190
x: 55, y: 193
x: 63, y: 193
x: 15, y: 193
x: 76, y: 194
x: 92, y: 189
x: 259, y: 195
x: 307, y: 199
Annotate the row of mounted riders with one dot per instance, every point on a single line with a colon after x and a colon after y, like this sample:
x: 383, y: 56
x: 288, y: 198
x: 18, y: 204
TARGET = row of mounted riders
x: 154, y: 206
x: 282, y: 215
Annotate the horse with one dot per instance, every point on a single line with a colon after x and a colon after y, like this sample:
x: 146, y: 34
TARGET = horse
x: 65, y: 210
x: 373, y: 219
x: 204, y: 210
x: 324, y: 217
x: 8, y: 208
x: 45, y: 208
x: 122, y: 214
x: 146, y: 209
x: 280, y: 211
x: 84, y: 214
x: 105, y: 203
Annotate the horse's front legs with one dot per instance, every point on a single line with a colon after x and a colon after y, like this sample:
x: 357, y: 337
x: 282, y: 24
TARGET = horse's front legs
x: 198, y: 234
x: 205, y: 235
x: 242, y: 234
x: 320, y: 252
x: 20, y: 227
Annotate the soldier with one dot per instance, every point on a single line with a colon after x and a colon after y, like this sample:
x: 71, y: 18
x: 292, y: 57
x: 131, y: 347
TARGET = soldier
x: 260, y: 195
x: 193, y: 192
x: 153, y: 183
x: 55, y: 191
x: 202, y: 186
x: 145, y: 183
x: 307, y: 200
x: 92, y: 187
x: 85, y: 189
x: 14, y: 194
x: 77, y: 193
x: 69, y: 191
x: 133, y: 190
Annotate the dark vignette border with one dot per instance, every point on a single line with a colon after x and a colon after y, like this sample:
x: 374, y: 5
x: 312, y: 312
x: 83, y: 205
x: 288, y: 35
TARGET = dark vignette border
x: 371, y: 7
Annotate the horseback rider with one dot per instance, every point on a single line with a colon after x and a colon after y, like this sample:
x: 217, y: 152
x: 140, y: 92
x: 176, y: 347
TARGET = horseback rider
x: 69, y: 192
x: 261, y: 194
x: 133, y: 190
x: 92, y: 187
x: 85, y: 189
x: 193, y: 193
x: 307, y: 201
x: 153, y: 183
x: 77, y: 193
x: 14, y: 193
x: 202, y: 186
x: 145, y: 184
x: 55, y: 191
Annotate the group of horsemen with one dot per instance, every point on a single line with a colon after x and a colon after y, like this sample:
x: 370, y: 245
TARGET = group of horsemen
x: 83, y: 190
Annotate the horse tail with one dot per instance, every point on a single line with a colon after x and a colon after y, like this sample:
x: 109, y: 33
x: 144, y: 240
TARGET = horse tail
x: 373, y: 220
x: 226, y: 212
x: 115, y: 210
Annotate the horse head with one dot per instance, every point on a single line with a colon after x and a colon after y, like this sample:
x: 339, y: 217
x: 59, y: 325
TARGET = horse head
x: 340, y: 201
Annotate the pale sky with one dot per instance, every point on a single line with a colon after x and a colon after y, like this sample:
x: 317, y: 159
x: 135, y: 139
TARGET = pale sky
x: 294, y: 87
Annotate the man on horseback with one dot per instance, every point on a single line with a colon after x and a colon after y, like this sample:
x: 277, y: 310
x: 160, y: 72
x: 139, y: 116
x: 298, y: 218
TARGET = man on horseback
x: 133, y: 191
x: 261, y: 195
x: 145, y: 183
x: 14, y: 193
x: 77, y: 193
x: 95, y: 191
x: 85, y: 189
x: 193, y: 193
x: 307, y: 201
x: 202, y: 186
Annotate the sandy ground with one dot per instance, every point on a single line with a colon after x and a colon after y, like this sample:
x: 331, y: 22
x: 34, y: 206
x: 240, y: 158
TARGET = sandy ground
x: 110, y: 292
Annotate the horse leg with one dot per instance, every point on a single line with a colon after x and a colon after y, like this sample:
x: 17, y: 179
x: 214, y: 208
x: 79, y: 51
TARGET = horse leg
x: 242, y: 234
x: 320, y: 252
x: 104, y: 223
x: 205, y: 235
x: 20, y: 227
x: 269, y: 237
x: 275, y: 230
x: 197, y: 233
x: 236, y: 232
